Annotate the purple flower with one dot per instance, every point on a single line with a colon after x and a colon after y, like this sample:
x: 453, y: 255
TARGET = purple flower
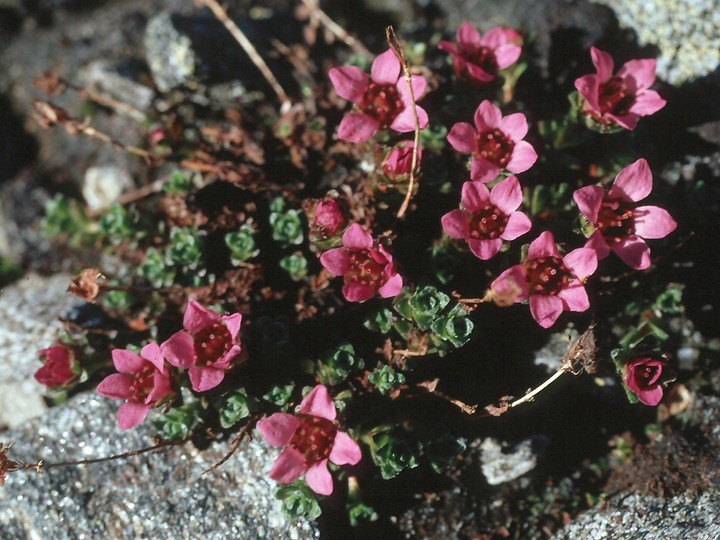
x: 368, y: 269
x: 479, y: 58
x: 495, y: 143
x: 552, y: 282
x: 642, y: 376
x: 398, y: 162
x: 620, y: 224
x: 382, y: 100
x: 207, y: 346
x: 619, y: 99
x: 142, y: 381
x: 488, y: 217
x: 311, y: 439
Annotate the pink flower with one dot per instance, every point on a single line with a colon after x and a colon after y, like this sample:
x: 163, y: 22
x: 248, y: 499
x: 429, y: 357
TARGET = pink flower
x: 554, y: 283
x: 488, y: 217
x: 382, y: 101
x: 479, y: 58
x: 367, y: 267
x: 207, y: 346
x: 310, y: 438
x: 57, y: 366
x: 620, y: 224
x: 495, y: 145
x: 327, y: 217
x: 642, y: 376
x: 619, y: 99
x: 399, y: 161
x: 142, y: 382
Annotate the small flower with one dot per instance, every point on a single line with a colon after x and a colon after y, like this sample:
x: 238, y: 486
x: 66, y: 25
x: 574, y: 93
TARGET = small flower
x: 554, y: 283
x: 382, y: 101
x: 367, y: 267
x: 620, y: 224
x: 207, y: 346
x: 326, y: 217
x: 57, y: 366
x: 398, y: 162
x: 479, y: 58
x: 642, y: 376
x: 142, y: 381
x: 495, y: 143
x: 310, y: 438
x: 488, y: 217
x: 620, y: 99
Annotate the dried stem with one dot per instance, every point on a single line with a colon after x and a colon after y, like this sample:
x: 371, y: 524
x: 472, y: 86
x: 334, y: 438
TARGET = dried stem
x: 531, y: 395
x: 335, y: 29
x: 233, y: 448
x: 249, y: 48
x: 396, y: 48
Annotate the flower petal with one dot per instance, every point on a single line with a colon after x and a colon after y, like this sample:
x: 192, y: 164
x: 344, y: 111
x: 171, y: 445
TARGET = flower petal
x: 405, y: 121
x: 507, y: 195
x: 319, y: 479
x: 179, y: 350
x: 233, y: 322
x: 514, y: 126
x: 597, y: 243
x: 462, y: 137
x: 603, y: 62
x: 357, y: 292
x: 474, y: 196
x: 131, y: 414
x: 545, y: 309
x: 336, y: 261
x: 476, y: 73
x: 481, y: 170
x: 277, y: 429
x: 575, y: 297
x: 653, y: 222
x: 357, y: 127
x: 288, y: 467
x: 319, y: 403
x: 385, y: 68
x: 205, y: 378
x: 512, y: 280
x: 151, y: 352
x: 162, y: 387
x: 582, y: 262
x: 543, y: 246
x: 647, y: 103
x: 633, y: 251
x: 345, y: 450
x: 641, y: 71
x: 651, y: 396
x: 419, y: 83
x: 517, y: 225
x: 588, y: 200
x: 350, y: 82
x: 355, y: 238
x: 468, y: 34
x: 506, y: 55
x: 633, y: 183
x: 126, y: 361
x: 392, y: 286
x: 588, y: 86
x: 455, y: 224
x: 197, y: 317
x: 487, y: 116
x: 116, y: 386
x: 485, y: 249
x: 523, y: 157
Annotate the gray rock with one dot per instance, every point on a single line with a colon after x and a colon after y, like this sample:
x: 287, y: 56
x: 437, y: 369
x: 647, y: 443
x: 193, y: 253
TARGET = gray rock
x: 163, y: 496
x: 103, y: 186
x: 500, y: 465
x: 121, y: 83
x: 30, y: 309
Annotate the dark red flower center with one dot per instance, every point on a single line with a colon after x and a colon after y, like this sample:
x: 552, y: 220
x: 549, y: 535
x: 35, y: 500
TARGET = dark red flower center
x: 546, y: 275
x: 488, y: 223
x: 615, y: 220
x: 212, y: 343
x: 643, y: 374
x: 365, y: 270
x: 480, y: 56
x: 143, y: 382
x: 314, y: 438
x: 494, y: 146
x: 615, y: 97
x: 382, y: 102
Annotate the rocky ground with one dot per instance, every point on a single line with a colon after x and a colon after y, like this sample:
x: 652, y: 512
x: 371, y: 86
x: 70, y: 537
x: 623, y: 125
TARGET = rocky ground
x: 532, y: 478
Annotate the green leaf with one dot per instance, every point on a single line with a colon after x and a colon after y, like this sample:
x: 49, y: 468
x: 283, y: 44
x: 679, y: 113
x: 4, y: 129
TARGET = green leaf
x: 298, y: 500
x: 426, y: 304
x: 235, y: 406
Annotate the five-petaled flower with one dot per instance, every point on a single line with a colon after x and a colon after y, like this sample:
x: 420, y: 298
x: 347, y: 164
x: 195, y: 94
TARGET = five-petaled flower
x: 207, y: 346
x: 398, y: 162
x: 495, y: 143
x: 57, y: 366
x: 642, y: 376
x: 620, y: 224
x: 552, y: 282
x: 488, y: 216
x: 143, y: 381
x: 382, y: 101
x: 620, y: 99
x: 479, y: 58
x: 367, y: 267
x: 310, y: 438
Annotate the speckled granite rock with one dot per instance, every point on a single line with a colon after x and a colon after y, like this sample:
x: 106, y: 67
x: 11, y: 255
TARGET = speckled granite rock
x: 685, y: 31
x: 162, y: 496
x: 30, y: 308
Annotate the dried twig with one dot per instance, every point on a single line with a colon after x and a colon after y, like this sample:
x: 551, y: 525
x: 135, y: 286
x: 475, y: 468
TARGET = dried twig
x: 335, y: 29
x: 396, y: 48
x: 249, y: 48
x: 233, y: 448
